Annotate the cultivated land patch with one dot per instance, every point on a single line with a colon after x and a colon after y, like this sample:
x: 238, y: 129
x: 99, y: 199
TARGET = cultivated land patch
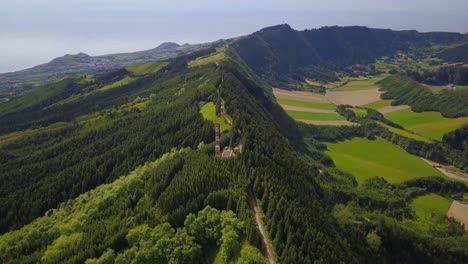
x: 309, y: 108
x: 359, y: 85
x: 354, y: 98
x: 310, y: 103
x: 379, y: 104
x: 300, y: 95
x: 429, y: 124
x: 368, y: 158
x: 315, y: 116
x: 459, y: 211
x: 392, y: 108
x: 430, y: 205
x: 328, y: 123
x: 405, y: 133
x: 208, y: 111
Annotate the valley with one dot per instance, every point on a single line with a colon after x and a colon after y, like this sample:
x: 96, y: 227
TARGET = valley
x: 346, y: 162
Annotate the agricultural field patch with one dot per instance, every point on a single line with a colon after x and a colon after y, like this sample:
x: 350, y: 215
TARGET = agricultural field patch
x: 369, y: 158
x: 405, y: 133
x: 208, y: 111
x: 302, y: 103
x: 378, y: 104
x: 315, y: 116
x: 459, y: 211
x: 429, y: 124
x: 430, y: 205
x: 354, y: 98
x: 300, y: 96
x: 146, y: 68
x: 358, y: 85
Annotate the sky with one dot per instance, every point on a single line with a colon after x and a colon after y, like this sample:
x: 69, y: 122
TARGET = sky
x: 35, y: 31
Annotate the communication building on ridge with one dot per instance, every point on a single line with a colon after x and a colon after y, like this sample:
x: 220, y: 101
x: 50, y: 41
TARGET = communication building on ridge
x: 217, y: 146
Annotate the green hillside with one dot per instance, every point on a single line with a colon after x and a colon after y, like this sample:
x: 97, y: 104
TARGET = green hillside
x: 119, y: 166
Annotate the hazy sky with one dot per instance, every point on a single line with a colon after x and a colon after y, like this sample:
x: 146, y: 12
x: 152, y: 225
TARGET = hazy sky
x: 35, y: 31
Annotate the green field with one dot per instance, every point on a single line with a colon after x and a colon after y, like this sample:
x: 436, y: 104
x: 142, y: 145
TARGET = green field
x: 365, y: 159
x: 378, y: 104
x: 405, y: 133
x: 124, y: 81
x: 429, y: 124
x: 314, y: 116
x: 359, y: 85
x: 145, y: 68
x: 431, y: 204
x: 308, y: 104
x: 359, y: 112
x: 209, y: 113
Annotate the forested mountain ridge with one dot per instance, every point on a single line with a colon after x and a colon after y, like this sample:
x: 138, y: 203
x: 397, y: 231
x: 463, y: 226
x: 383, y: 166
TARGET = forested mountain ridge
x: 280, y: 53
x: 24, y: 80
x: 120, y: 168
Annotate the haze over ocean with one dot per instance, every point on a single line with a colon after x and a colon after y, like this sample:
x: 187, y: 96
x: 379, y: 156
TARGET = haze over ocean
x: 34, y: 32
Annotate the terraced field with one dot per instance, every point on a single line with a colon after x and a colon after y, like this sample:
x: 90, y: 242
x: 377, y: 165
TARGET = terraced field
x: 368, y: 158
x: 309, y: 107
x: 428, y: 124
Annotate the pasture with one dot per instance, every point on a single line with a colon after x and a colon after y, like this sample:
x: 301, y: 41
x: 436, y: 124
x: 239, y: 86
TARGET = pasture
x: 359, y: 85
x: 283, y: 100
x: 368, y: 158
x: 315, y: 116
x: 359, y: 112
x: 378, y: 104
x: 405, y: 133
x: 208, y: 111
x: 211, y: 58
x: 145, y: 68
x: 428, y: 124
x: 430, y: 205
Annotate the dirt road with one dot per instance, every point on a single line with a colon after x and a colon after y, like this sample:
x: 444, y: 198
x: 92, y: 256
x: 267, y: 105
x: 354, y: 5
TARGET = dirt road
x: 459, y: 211
x: 450, y: 174
x: 253, y: 204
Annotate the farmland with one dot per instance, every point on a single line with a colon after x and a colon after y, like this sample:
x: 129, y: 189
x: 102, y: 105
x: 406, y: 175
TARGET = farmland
x: 379, y: 104
x: 359, y: 85
x: 405, y: 133
x: 309, y: 104
x: 365, y: 159
x: 429, y: 124
x: 430, y: 205
x: 315, y: 116
x: 309, y: 108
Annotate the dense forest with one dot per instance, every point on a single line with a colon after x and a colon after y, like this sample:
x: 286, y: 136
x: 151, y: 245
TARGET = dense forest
x: 405, y: 90
x: 120, y: 167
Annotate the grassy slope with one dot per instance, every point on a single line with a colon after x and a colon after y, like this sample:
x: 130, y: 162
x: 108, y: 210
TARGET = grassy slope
x: 405, y: 133
x: 426, y: 205
x: 145, y: 68
x: 308, y: 104
x: 212, y: 58
x: 314, y: 116
x: 365, y: 158
x: 359, y: 112
x: 429, y: 124
x: 378, y: 104
x: 209, y: 113
x: 359, y: 85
